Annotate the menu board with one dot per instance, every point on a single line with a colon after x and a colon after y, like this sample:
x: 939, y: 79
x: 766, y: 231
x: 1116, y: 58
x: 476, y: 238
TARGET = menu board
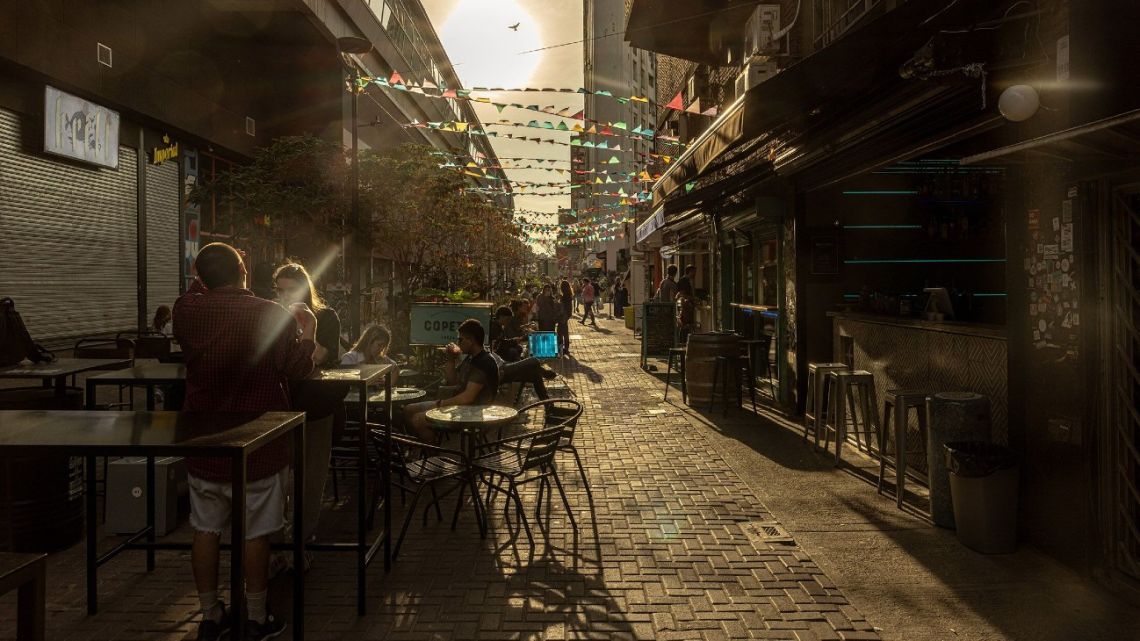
x: 659, y: 328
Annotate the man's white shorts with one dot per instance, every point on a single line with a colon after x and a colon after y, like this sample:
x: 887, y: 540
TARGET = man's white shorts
x: 264, y: 505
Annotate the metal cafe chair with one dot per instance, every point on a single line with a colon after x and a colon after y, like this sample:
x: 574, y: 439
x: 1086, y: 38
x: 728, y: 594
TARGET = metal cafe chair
x: 500, y: 466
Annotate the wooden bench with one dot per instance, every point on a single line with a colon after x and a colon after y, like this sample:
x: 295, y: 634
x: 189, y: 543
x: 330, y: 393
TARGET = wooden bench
x: 26, y: 573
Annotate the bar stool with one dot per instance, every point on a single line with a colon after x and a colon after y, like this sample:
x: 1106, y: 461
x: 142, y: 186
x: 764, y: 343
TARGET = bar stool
x: 847, y: 385
x: 818, y: 389
x: 678, y: 354
x: 898, y: 403
x: 763, y: 346
x: 737, y: 368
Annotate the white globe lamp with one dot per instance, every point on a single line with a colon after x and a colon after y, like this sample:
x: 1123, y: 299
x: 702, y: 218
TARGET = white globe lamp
x: 1018, y: 103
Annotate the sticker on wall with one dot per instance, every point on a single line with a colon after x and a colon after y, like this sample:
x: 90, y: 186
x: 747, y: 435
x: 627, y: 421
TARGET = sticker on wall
x: 1067, y: 211
x: 1067, y: 237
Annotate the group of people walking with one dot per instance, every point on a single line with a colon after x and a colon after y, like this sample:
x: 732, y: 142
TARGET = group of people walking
x: 556, y: 305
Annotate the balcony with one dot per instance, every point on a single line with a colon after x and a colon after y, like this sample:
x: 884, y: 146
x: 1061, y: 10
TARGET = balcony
x: 833, y: 18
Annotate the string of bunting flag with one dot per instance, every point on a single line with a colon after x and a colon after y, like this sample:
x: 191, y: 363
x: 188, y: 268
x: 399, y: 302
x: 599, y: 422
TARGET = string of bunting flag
x: 396, y: 82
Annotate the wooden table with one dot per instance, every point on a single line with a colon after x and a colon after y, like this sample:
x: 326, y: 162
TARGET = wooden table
x: 471, y: 421
x: 27, y: 574
x: 149, y: 434
x: 58, y: 370
x: 358, y: 377
x: 150, y: 376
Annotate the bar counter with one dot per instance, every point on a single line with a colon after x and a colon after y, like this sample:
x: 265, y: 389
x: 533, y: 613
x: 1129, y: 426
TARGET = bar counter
x: 936, y: 356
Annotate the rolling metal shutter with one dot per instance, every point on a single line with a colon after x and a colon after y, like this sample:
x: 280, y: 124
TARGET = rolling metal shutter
x: 67, y: 239
x: 162, y: 235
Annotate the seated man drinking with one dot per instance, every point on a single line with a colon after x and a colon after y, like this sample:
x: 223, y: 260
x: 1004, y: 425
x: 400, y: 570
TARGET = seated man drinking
x: 477, y: 376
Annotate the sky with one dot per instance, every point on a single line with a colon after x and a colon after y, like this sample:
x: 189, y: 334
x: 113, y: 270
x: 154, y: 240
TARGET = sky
x: 486, y: 52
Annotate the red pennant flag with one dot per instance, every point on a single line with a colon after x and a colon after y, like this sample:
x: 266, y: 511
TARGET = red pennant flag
x: 677, y: 103
x: 396, y: 79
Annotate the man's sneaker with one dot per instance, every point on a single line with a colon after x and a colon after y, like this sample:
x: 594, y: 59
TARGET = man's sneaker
x: 273, y: 627
x: 210, y: 630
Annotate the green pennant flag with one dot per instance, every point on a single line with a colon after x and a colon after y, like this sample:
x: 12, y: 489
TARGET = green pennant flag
x: 562, y: 126
x: 500, y: 106
x: 613, y: 161
x: 620, y: 125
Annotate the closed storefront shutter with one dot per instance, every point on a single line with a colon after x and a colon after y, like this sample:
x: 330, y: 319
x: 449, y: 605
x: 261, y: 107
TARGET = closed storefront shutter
x: 162, y: 235
x: 67, y: 238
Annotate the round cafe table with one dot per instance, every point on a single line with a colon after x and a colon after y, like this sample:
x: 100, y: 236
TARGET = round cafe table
x: 400, y: 396
x: 470, y: 420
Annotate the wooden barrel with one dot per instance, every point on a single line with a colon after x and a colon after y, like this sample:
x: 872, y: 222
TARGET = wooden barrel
x: 41, y: 497
x: 700, y: 363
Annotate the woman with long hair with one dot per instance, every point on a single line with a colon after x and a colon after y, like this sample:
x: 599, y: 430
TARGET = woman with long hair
x: 294, y: 286
x: 323, y: 403
x: 566, y: 298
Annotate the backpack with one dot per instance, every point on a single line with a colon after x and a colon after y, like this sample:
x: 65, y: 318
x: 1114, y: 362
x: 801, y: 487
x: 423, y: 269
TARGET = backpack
x: 15, y: 342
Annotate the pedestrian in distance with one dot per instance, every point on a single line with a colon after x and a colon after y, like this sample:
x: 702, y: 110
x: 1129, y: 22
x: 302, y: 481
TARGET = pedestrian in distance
x: 566, y: 298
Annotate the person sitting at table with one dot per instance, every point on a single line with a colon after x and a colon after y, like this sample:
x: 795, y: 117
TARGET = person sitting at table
x: 241, y: 352
x: 161, y: 322
x: 371, y: 349
x: 477, y: 377
x: 506, y: 333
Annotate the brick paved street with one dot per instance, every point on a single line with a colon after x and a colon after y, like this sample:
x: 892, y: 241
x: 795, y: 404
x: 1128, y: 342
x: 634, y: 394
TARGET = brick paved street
x: 670, y: 551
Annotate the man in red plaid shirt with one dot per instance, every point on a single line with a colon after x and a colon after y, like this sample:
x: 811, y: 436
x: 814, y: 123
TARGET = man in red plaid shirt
x: 240, y: 353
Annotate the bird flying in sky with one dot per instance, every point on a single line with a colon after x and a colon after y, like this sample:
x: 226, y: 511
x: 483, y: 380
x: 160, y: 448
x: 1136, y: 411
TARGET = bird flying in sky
x: 514, y: 27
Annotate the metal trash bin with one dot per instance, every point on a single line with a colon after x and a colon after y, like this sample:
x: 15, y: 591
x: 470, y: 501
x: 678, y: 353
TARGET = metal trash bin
x: 983, y: 488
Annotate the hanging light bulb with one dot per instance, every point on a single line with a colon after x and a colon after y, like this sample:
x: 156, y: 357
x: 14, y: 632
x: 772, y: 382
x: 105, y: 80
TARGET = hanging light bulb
x: 1019, y: 103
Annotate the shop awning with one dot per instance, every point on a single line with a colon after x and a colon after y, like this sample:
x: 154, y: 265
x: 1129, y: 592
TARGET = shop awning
x: 818, y: 89
x: 1114, y: 139
x: 651, y: 224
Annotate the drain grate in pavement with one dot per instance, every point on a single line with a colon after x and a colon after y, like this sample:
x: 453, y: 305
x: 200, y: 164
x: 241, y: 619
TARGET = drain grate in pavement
x: 767, y: 532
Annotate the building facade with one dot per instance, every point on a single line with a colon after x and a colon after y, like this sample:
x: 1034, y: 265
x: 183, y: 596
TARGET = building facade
x: 610, y: 64
x: 109, y: 114
x: 920, y: 190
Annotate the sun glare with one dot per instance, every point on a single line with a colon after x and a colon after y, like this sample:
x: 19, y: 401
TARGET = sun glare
x: 483, y: 46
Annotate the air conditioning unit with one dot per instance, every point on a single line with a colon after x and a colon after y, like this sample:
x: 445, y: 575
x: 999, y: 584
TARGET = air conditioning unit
x: 755, y: 72
x: 762, y: 32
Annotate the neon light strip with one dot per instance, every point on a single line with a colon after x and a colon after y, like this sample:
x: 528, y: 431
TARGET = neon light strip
x: 886, y: 192
x: 885, y: 261
x: 882, y: 227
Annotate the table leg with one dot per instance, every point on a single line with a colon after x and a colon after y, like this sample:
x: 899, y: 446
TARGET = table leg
x: 31, y: 603
x: 89, y: 395
x: 237, y: 546
x: 150, y: 397
x: 92, y: 553
x: 298, y: 536
x: 362, y: 503
x: 150, y: 512
x: 386, y: 471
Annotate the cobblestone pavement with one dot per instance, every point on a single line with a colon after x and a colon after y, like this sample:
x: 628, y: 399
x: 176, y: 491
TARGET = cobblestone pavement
x: 672, y: 549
